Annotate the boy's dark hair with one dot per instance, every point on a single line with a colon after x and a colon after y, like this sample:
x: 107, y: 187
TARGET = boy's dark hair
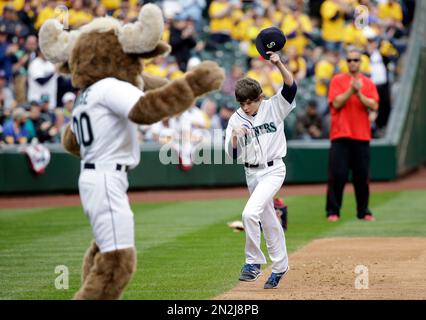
x: 247, y: 89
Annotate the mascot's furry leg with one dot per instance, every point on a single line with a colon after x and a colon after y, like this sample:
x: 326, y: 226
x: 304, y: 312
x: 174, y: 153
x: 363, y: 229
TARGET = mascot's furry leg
x: 88, y: 260
x: 106, y: 274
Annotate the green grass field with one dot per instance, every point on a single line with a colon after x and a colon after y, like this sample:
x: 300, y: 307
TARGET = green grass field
x: 185, y: 249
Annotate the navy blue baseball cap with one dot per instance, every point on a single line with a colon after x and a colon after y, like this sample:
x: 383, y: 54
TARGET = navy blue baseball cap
x: 270, y: 39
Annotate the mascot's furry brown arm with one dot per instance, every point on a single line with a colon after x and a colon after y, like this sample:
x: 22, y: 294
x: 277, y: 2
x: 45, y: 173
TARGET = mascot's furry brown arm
x: 178, y: 95
x: 103, y: 49
x: 153, y: 82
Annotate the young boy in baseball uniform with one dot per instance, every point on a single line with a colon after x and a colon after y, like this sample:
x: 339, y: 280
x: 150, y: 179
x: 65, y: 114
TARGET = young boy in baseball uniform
x: 255, y: 134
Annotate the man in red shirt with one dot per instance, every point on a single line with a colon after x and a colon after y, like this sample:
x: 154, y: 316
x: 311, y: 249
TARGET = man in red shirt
x: 351, y: 97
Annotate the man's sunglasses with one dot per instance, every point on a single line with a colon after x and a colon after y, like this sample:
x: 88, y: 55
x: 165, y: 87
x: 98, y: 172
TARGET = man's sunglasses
x: 352, y: 60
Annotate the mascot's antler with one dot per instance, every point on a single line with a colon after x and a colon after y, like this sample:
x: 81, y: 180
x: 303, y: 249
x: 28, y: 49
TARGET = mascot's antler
x: 56, y: 43
x: 143, y: 35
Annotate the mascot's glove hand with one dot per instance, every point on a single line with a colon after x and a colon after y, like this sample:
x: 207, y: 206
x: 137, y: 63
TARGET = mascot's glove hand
x: 205, y: 77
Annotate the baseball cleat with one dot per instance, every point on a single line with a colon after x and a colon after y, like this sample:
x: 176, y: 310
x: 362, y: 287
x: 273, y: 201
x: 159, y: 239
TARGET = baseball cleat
x: 250, y: 272
x: 274, y: 279
x: 333, y: 218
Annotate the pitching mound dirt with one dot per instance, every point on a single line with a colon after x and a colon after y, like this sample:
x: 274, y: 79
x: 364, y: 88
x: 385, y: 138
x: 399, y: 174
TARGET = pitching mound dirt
x: 334, y: 268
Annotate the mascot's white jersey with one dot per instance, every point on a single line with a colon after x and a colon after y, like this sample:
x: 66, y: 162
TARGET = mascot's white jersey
x: 101, y: 125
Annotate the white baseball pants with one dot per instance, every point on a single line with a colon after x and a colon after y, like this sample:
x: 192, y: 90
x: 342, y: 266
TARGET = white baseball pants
x: 105, y: 202
x: 263, y: 184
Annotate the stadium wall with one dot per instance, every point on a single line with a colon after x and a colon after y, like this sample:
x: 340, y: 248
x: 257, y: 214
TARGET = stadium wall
x: 305, y: 163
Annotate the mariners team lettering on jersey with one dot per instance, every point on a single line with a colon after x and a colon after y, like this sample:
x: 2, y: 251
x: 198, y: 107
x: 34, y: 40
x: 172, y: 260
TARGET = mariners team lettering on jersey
x: 266, y: 139
x: 101, y: 125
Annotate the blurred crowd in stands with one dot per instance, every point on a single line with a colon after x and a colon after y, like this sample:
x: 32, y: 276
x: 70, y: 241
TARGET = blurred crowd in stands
x: 36, y: 101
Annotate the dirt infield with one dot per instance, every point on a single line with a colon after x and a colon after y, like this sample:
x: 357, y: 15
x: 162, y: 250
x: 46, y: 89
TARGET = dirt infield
x: 416, y: 180
x: 325, y: 269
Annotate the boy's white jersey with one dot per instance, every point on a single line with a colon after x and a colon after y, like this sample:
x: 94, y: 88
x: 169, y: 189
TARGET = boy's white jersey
x: 266, y: 139
x: 101, y: 125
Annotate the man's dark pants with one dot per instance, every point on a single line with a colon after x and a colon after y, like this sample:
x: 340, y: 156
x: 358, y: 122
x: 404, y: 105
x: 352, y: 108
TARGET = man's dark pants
x: 348, y: 155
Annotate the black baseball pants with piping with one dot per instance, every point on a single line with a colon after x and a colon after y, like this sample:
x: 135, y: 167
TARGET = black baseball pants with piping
x: 348, y: 155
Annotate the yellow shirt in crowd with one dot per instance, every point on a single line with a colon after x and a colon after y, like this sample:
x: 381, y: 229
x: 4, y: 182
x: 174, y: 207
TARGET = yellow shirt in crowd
x: 332, y: 30
x: 111, y: 4
x: 324, y: 70
x: 222, y: 24
x: 176, y: 74
x: 155, y: 70
x: 251, y: 35
x: 296, y: 65
x: 354, y: 36
x: 274, y: 77
x: 131, y: 14
x: 17, y: 4
x: 291, y: 24
x: 166, y: 35
x: 390, y: 11
x: 45, y: 14
x: 387, y: 49
x: 278, y: 17
x: 78, y: 18
x: 240, y: 24
x: 240, y: 29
